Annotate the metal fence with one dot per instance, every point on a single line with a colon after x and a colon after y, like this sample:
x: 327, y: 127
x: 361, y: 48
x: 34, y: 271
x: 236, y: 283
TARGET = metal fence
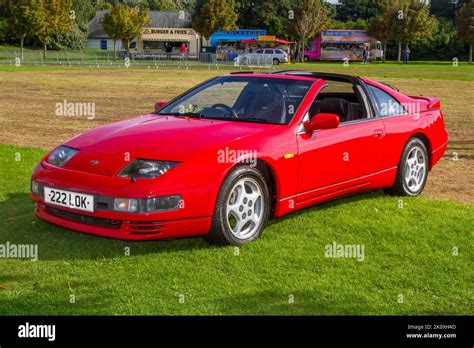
x: 125, y: 60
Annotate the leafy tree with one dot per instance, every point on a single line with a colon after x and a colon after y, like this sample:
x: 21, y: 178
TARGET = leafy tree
x: 379, y: 28
x: 308, y: 17
x: 465, y: 25
x: 27, y: 18
x: 268, y: 14
x: 213, y: 15
x: 57, y: 21
x: 170, y: 5
x: 360, y: 24
x: 352, y: 10
x: 407, y: 20
x: 111, y: 23
x: 84, y: 11
x: 124, y: 22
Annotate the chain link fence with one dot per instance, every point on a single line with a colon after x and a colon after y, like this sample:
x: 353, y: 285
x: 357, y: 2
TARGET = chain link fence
x: 131, y: 60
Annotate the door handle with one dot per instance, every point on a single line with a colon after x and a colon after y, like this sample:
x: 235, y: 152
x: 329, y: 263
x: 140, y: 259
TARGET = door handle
x: 379, y: 133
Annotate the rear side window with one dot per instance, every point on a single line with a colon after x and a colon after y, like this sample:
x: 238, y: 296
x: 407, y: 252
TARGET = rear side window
x: 385, y: 104
x: 268, y: 51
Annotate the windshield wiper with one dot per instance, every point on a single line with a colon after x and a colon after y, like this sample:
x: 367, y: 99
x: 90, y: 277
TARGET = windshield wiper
x: 185, y: 114
x: 257, y: 119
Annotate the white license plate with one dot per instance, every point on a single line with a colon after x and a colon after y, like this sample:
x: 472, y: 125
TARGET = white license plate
x: 69, y: 199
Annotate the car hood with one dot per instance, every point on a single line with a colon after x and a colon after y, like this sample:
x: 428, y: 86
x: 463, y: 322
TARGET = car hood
x: 154, y: 137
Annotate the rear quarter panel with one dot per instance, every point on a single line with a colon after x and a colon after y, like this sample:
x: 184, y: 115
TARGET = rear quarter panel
x: 419, y: 120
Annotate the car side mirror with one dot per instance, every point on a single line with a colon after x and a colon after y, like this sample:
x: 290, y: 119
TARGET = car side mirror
x: 322, y: 121
x: 159, y: 104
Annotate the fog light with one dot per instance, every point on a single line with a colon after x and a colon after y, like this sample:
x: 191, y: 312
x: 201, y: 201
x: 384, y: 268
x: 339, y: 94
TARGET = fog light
x: 34, y: 187
x: 163, y: 203
x: 126, y: 205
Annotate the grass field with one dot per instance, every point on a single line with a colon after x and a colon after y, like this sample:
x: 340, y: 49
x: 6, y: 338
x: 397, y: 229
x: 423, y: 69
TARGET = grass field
x: 418, y: 259
x: 408, y: 252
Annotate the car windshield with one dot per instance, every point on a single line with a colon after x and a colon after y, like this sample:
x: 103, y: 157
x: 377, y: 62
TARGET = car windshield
x: 242, y: 99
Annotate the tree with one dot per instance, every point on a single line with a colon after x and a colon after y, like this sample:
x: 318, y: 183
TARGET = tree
x: 465, y: 25
x: 379, y: 28
x: 306, y: 19
x: 27, y: 18
x: 111, y: 24
x: 124, y: 22
x: 213, y: 15
x: 407, y: 20
x: 352, y: 10
x: 57, y: 21
x: 268, y: 14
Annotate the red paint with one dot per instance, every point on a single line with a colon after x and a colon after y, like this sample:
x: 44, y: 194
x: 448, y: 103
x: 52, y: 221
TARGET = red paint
x: 327, y: 163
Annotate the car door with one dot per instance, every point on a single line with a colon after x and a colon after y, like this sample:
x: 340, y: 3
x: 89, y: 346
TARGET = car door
x: 341, y: 159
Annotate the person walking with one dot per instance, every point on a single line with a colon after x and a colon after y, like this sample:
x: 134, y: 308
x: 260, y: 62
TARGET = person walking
x: 406, y: 54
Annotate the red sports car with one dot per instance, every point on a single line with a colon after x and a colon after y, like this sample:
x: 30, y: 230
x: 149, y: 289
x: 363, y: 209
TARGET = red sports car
x: 221, y: 159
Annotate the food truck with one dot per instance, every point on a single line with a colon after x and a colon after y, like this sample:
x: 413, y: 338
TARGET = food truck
x: 342, y: 44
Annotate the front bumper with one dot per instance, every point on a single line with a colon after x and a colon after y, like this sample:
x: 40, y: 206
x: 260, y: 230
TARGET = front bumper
x: 191, y: 220
x: 122, y: 229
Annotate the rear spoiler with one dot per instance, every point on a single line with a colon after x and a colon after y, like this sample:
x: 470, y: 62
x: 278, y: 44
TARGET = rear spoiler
x: 432, y: 103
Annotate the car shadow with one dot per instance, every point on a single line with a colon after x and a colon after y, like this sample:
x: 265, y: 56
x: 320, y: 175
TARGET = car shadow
x: 356, y: 197
x: 19, y: 225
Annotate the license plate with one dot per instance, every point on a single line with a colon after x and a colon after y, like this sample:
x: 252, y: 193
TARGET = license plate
x: 69, y: 199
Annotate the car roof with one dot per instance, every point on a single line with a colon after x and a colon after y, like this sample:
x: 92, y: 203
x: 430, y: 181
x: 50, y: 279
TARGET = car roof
x: 301, y: 75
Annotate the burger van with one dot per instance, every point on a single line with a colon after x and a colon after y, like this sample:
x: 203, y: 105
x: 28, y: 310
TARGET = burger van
x: 343, y: 44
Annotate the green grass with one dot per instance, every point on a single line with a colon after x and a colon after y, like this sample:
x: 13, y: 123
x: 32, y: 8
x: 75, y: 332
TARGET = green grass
x: 407, y: 252
x: 416, y: 70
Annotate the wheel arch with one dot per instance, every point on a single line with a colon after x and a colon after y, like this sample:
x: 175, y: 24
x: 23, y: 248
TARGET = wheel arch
x: 427, y: 143
x: 268, y: 173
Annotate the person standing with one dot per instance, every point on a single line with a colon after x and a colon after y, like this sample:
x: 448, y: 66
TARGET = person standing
x: 183, y: 49
x: 365, y: 55
x: 406, y: 54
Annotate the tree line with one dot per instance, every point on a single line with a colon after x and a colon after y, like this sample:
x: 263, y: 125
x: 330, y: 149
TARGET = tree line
x: 439, y: 28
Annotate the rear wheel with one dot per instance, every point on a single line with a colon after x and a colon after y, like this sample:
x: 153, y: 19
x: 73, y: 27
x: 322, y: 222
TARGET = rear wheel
x: 242, y: 208
x: 276, y: 61
x: 412, y: 170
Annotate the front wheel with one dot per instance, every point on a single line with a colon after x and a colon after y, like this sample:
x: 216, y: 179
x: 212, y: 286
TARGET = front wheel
x: 412, y: 170
x: 242, y: 208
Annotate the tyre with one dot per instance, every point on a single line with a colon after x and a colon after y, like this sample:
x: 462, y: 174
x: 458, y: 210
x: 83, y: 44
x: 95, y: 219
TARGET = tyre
x: 306, y: 58
x: 412, y: 170
x: 276, y: 61
x: 242, y: 208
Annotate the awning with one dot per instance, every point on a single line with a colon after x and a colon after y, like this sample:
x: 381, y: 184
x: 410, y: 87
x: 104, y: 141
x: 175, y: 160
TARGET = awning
x: 281, y: 41
x: 145, y: 39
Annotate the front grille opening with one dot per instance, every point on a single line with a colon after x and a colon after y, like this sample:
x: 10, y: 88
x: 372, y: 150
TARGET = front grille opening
x: 145, y: 227
x: 89, y: 220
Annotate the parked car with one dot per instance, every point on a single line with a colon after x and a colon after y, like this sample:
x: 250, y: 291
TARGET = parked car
x: 222, y: 159
x: 262, y: 56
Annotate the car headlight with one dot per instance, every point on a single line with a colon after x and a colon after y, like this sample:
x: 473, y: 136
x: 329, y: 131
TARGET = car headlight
x: 146, y: 169
x: 61, y: 156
